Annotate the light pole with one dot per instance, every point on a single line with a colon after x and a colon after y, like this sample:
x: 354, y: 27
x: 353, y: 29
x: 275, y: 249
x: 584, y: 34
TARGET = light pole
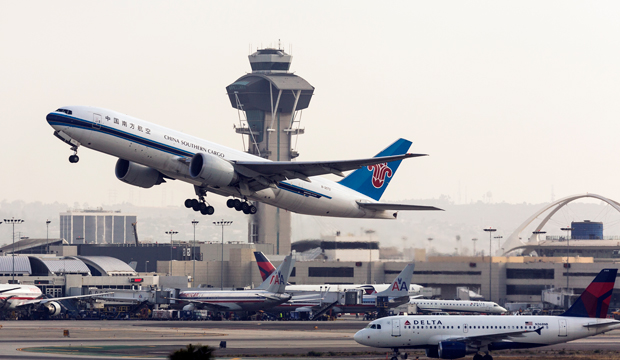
x: 498, y: 240
x: 171, y: 232
x: 146, y: 266
x: 194, y: 222
x: 490, y: 231
x: 222, y: 223
x: 13, y: 221
x: 474, y: 241
x: 47, y: 223
x: 568, y: 230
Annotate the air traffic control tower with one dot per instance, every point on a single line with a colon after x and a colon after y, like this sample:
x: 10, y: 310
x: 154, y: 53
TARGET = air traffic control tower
x: 269, y: 101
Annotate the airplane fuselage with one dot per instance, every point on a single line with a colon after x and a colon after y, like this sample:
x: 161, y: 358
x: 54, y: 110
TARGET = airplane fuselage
x: 235, y: 300
x: 429, y: 331
x: 169, y: 152
x: 17, y: 295
x: 458, y: 306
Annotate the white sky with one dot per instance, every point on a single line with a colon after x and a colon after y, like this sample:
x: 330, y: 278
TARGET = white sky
x: 518, y: 99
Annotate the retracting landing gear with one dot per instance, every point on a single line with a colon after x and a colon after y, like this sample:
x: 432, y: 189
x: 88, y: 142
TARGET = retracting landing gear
x: 486, y: 356
x: 200, y: 204
x: 238, y: 205
x: 74, y: 158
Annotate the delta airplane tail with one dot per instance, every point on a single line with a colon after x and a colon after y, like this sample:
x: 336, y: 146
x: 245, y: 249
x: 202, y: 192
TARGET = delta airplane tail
x: 276, y: 282
x: 400, y: 285
x: 264, y: 265
x: 594, y: 301
x: 373, y: 180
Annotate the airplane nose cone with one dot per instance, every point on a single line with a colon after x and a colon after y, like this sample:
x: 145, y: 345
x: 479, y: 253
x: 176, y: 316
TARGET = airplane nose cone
x: 359, y: 337
x: 503, y: 309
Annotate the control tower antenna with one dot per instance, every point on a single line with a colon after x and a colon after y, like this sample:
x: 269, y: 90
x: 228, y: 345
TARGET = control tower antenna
x: 267, y: 101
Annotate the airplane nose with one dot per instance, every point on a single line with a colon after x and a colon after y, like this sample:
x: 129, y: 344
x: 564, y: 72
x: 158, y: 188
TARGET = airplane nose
x: 359, y: 337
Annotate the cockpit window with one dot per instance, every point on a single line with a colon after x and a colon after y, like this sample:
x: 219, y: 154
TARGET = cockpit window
x: 373, y: 326
x: 66, y: 111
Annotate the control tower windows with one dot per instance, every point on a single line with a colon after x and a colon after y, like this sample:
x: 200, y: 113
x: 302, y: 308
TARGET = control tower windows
x: 270, y: 66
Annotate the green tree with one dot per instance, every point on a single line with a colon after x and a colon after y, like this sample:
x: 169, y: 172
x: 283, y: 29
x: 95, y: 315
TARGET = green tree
x: 192, y: 352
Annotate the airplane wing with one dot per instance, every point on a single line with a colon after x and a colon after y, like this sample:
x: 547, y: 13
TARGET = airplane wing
x: 481, y: 340
x: 287, y: 170
x: 46, y: 300
x: 387, y: 206
x: 5, y: 290
x: 602, y: 323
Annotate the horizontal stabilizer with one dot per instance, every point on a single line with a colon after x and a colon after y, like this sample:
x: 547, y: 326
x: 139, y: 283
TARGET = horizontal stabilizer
x: 398, y: 207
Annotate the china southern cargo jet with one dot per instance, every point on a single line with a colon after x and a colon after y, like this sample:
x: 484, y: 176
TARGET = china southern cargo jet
x: 148, y: 154
x: 453, y: 337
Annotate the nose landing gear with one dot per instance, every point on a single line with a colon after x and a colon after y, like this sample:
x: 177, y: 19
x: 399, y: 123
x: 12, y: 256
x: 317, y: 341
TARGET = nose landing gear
x: 74, y: 158
x: 238, y: 205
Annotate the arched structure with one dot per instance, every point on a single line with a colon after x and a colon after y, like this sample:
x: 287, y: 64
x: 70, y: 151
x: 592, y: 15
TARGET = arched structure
x: 514, y: 240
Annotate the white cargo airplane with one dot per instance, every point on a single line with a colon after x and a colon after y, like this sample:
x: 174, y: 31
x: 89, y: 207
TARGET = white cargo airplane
x: 148, y: 154
x: 28, y: 298
x: 269, y: 294
x: 453, y: 337
x: 489, y: 307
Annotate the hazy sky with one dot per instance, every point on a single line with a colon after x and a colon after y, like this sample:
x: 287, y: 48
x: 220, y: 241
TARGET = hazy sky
x: 515, y: 99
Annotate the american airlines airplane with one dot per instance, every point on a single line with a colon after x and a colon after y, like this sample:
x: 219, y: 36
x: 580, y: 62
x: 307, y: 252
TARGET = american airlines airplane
x: 266, y: 268
x: 453, y: 337
x: 149, y: 154
x: 489, y: 307
x: 29, y: 299
x: 269, y: 294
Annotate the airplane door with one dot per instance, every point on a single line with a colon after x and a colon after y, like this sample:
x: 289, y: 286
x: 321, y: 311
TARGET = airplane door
x: 96, y: 121
x: 395, y: 327
x: 563, y: 328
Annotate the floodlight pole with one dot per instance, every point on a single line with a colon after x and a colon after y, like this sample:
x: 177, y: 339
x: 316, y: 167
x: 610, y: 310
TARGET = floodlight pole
x: 171, y: 232
x: 222, y: 223
x: 194, y: 222
x: 490, y: 231
x: 568, y: 230
x: 47, y: 242
x: 13, y: 221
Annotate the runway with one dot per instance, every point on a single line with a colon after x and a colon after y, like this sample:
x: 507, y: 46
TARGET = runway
x: 157, y: 339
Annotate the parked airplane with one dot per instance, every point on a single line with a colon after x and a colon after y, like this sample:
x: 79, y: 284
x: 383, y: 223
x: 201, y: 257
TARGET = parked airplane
x: 148, y: 154
x: 266, y: 268
x: 489, y: 307
x: 29, y: 299
x: 453, y: 337
x: 269, y: 294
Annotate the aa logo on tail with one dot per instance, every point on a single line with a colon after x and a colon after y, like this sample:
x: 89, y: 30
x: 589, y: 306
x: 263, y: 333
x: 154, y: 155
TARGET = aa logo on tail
x: 399, y: 285
x: 379, y: 174
x: 276, y: 278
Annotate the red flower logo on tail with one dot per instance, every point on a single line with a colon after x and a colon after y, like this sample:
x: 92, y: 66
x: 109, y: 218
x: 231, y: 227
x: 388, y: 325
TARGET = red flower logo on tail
x: 379, y: 173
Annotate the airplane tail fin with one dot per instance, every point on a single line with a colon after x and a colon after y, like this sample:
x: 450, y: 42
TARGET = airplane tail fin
x: 264, y: 265
x: 400, y: 285
x: 373, y: 180
x: 276, y: 282
x: 594, y: 301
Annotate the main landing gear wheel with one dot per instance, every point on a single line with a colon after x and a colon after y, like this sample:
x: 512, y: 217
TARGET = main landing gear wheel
x: 238, y: 205
x: 200, y: 206
x: 477, y: 357
x: 74, y: 158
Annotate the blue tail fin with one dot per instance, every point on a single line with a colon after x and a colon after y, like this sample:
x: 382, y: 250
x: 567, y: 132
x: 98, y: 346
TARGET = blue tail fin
x: 373, y: 180
x: 594, y: 301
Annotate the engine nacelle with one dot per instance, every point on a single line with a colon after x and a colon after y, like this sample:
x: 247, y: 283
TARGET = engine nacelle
x: 189, y: 307
x: 212, y: 170
x: 137, y: 175
x: 452, y: 349
x: 53, y: 308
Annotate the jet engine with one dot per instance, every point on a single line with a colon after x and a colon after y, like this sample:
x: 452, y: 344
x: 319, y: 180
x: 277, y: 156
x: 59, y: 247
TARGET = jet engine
x: 212, y: 170
x: 53, y: 308
x: 452, y: 350
x: 137, y: 175
x: 189, y: 307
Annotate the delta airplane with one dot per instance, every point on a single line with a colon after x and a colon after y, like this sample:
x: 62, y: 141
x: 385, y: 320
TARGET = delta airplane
x: 453, y: 337
x: 266, y: 268
x: 148, y: 154
x: 269, y: 294
x: 488, y: 307
x: 29, y: 299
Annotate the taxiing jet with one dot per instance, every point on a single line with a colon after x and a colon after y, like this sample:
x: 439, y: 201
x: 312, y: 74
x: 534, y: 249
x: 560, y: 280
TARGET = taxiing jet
x: 488, y: 307
x: 269, y: 294
x: 266, y: 268
x: 29, y: 299
x: 453, y: 337
x: 148, y: 154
